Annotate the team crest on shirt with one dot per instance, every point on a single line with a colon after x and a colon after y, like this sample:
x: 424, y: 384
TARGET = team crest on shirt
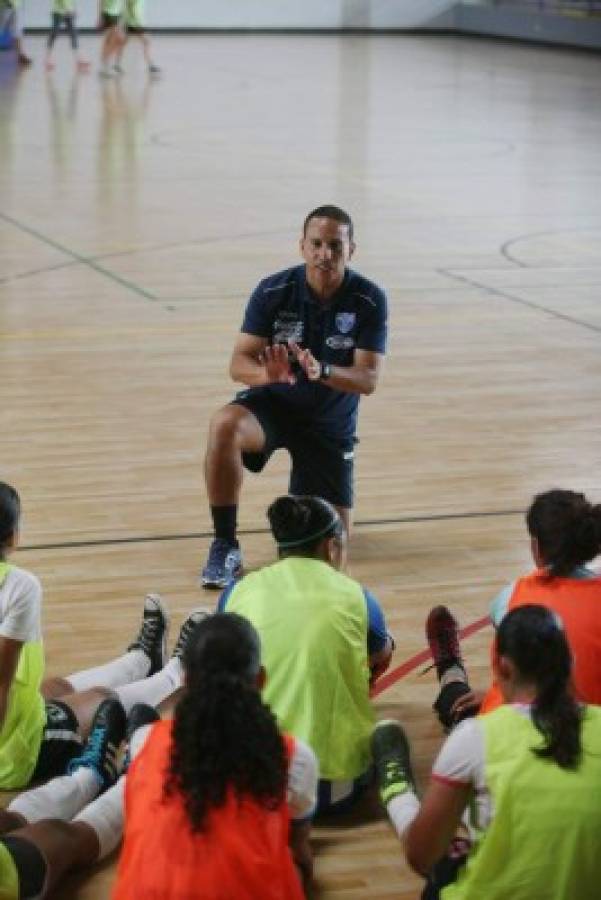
x: 345, y: 321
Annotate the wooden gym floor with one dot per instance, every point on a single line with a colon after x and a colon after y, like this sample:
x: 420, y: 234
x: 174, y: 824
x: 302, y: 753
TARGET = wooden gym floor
x: 136, y: 216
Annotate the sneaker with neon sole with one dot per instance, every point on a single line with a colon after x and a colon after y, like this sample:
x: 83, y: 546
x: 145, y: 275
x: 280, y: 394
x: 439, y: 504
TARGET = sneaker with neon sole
x: 392, y: 760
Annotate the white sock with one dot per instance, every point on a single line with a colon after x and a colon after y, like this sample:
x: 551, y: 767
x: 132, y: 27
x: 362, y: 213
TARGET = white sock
x: 132, y: 666
x: 453, y: 673
x: 154, y: 689
x: 61, y: 798
x: 105, y: 816
x: 402, y: 810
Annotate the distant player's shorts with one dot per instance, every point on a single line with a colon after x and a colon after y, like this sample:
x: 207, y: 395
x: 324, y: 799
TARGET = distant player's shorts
x: 135, y: 29
x: 10, y: 18
x: 322, y: 466
x: 108, y: 21
x: 60, y: 741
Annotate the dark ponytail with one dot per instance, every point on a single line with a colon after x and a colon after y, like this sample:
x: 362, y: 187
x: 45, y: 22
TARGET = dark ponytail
x: 10, y: 511
x: 224, y: 737
x: 567, y: 528
x: 300, y: 524
x: 532, y: 637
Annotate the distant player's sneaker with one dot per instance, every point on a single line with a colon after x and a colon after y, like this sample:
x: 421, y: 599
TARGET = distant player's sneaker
x: 101, y: 752
x: 118, y: 68
x: 154, y: 70
x: 140, y: 714
x: 24, y: 60
x: 152, y: 637
x: 392, y: 760
x: 105, y: 72
x: 224, y: 564
x: 187, y: 630
x: 442, y: 633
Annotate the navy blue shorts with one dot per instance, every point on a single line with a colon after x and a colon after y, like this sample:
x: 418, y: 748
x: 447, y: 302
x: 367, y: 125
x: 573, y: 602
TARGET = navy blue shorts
x: 322, y: 466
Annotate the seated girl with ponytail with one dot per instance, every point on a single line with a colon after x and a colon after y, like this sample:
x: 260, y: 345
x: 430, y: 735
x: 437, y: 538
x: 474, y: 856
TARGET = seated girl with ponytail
x: 565, y: 535
x: 529, y: 772
x: 209, y: 797
x: 323, y: 639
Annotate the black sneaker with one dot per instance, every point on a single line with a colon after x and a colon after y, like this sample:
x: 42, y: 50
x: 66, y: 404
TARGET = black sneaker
x: 187, y: 630
x: 442, y: 633
x: 392, y: 761
x: 224, y: 564
x: 140, y: 714
x: 152, y: 638
x: 101, y: 752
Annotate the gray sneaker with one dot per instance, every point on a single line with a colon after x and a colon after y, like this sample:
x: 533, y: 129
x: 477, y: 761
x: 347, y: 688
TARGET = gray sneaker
x: 152, y: 637
x: 187, y: 630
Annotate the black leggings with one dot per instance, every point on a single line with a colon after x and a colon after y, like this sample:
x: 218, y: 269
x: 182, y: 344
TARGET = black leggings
x: 68, y: 20
x: 445, y: 700
x: 30, y: 865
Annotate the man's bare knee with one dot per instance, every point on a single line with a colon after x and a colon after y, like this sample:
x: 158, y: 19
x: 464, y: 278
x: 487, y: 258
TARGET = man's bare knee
x: 235, y: 426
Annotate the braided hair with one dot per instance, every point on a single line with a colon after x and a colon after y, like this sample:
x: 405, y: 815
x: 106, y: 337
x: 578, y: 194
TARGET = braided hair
x: 533, y: 638
x: 224, y: 737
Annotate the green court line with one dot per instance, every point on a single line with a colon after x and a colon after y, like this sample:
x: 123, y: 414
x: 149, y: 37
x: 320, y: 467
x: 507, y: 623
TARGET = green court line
x: 123, y: 282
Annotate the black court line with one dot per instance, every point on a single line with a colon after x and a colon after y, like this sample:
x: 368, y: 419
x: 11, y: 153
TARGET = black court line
x: 152, y: 248
x: 495, y: 292
x: 506, y: 247
x: 203, y: 535
x: 77, y: 257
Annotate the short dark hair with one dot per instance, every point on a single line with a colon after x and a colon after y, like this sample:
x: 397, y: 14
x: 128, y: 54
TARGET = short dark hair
x: 10, y: 511
x: 330, y: 212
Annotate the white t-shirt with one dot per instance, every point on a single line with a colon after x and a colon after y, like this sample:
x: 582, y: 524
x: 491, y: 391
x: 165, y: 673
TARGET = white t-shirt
x: 461, y: 761
x: 21, y: 606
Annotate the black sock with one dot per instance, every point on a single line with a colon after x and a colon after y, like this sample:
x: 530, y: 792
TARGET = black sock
x: 445, y: 700
x: 225, y: 522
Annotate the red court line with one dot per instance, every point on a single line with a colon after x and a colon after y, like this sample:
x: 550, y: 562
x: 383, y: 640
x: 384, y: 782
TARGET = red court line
x: 423, y: 656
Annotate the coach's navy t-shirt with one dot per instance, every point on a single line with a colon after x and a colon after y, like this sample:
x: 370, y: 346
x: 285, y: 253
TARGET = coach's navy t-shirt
x: 283, y: 308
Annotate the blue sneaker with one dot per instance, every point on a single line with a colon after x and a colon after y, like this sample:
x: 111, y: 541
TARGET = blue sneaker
x: 223, y: 565
x: 101, y: 752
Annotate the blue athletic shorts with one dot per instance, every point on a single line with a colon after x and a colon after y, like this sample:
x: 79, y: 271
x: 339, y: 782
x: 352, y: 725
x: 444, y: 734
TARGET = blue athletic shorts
x: 322, y: 466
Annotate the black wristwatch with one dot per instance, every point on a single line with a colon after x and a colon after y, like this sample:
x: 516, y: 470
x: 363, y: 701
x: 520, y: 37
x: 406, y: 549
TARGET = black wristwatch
x: 326, y: 371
